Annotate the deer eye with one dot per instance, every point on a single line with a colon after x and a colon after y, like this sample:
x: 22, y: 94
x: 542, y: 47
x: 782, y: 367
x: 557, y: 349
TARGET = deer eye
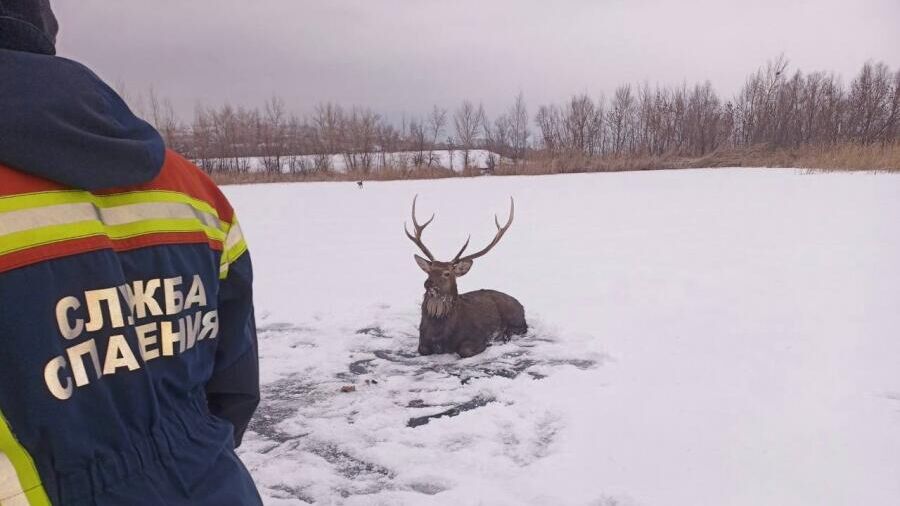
x: 446, y: 274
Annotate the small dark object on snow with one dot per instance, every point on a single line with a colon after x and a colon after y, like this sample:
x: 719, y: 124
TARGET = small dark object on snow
x: 348, y: 388
x: 465, y: 323
x: 359, y: 184
x: 475, y: 403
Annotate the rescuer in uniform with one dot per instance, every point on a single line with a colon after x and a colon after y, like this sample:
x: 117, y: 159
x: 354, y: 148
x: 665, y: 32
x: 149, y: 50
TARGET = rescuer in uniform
x: 128, y: 355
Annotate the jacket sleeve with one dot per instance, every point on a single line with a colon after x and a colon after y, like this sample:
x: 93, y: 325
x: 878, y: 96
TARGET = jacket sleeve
x: 233, y: 390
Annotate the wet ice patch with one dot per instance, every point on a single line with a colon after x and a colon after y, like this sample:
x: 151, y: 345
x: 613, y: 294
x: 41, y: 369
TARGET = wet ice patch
x: 411, y: 428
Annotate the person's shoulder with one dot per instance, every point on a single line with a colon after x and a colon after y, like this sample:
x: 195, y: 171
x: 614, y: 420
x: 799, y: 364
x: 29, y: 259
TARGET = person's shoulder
x: 180, y: 174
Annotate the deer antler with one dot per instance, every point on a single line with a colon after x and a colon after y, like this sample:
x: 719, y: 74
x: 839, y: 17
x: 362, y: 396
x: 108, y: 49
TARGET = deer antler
x: 500, y: 231
x: 419, y: 229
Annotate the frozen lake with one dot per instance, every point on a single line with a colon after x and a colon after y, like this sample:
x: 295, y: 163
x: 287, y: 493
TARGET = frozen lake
x: 704, y: 337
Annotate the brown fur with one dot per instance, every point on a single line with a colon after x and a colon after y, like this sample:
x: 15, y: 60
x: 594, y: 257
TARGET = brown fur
x: 467, y: 323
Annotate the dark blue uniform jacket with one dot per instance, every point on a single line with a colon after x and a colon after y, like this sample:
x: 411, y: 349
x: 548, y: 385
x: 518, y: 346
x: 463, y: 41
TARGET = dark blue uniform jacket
x: 128, y: 357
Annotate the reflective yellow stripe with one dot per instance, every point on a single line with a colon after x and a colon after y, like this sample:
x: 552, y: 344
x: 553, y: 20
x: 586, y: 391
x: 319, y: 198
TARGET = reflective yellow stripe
x: 42, y: 218
x: 235, y: 236
x: 233, y: 248
x: 51, y: 198
x: 20, y: 483
x: 56, y: 233
x: 29, y: 219
x: 38, y: 219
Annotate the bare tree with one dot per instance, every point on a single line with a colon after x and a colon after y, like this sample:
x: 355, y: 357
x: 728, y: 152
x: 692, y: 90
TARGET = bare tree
x: 202, y: 138
x: 274, y: 135
x: 467, y: 119
x: 873, y: 104
x: 518, y: 128
x: 436, y: 122
x: 418, y: 141
x: 547, y: 121
x: 497, y: 137
x: 621, y: 120
x: 328, y: 121
x: 359, y: 131
x: 163, y: 117
x: 582, y: 124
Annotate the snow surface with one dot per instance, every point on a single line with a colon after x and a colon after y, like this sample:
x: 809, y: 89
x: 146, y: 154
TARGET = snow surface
x: 708, y: 337
x: 455, y: 160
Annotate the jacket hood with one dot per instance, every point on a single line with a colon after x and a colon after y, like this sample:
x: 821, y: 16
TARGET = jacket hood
x: 59, y: 121
x: 28, y: 25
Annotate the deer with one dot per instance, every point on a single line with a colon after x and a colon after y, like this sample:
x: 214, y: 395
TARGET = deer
x: 466, y: 323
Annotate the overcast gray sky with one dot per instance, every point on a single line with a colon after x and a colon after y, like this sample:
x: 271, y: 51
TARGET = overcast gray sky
x: 402, y: 56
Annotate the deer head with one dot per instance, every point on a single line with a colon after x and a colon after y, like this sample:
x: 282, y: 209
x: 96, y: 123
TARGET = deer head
x: 440, y: 287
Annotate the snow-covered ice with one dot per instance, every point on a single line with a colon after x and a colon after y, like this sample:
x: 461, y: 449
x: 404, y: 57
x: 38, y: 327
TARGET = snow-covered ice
x: 705, y: 337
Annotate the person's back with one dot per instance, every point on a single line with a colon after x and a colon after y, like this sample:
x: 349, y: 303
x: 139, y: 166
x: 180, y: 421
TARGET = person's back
x: 128, y: 364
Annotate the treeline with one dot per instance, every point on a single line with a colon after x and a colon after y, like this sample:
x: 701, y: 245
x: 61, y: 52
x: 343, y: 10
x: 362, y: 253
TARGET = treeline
x: 224, y: 138
x: 775, y: 109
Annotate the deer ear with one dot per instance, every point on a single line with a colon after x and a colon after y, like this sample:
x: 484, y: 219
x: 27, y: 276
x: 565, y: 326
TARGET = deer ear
x: 461, y: 268
x: 425, y: 265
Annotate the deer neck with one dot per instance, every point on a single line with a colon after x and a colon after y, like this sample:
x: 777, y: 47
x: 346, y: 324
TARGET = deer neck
x: 439, y: 306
